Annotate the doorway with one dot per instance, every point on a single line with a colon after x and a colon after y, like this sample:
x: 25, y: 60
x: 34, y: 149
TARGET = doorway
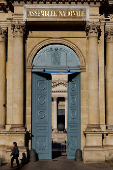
x: 66, y: 123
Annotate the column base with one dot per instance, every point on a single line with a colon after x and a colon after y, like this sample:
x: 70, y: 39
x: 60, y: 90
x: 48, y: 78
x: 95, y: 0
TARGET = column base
x: 93, y: 154
x: 93, y: 127
x: 109, y: 127
x: 17, y: 127
x: 66, y: 129
x: 55, y: 130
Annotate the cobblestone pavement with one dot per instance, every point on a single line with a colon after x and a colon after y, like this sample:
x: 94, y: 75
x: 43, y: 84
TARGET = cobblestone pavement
x: 61, y: 164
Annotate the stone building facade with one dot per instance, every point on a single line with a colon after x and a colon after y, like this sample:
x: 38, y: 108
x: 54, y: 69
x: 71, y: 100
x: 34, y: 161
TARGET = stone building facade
x: 56, y: 57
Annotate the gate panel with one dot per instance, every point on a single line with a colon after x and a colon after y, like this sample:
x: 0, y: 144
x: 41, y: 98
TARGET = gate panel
x: 41, y: 115
x: 74, y: 132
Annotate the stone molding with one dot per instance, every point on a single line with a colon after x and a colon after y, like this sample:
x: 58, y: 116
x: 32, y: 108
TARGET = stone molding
x: 53, y: 1
x: 59, y: 41
x: 18, y: 29
x: 93, y: 29
x: 109, y: 34
x: 2, y: 34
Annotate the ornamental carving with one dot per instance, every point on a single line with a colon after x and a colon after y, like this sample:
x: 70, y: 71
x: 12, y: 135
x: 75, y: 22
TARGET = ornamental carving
x: 73, y: 143
x: 41, y: 114
x: 56, y: 57
x: 60, y: 82
x: 109, y: 34
x: 2, y: 34
x: 93, y: 29
x: 41, y: 143
x: 18, y: 29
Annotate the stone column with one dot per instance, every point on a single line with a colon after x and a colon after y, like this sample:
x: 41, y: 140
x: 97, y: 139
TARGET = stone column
x: 66, y: 114
x: 55, y: 114
x: 109, y: 75
x: 18, y: 76
x: 2, y: 78
x: 93, y: 75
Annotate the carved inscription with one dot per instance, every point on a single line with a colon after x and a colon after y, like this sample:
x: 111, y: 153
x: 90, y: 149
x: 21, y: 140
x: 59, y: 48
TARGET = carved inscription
x: 48, y: 12
x: 56, y: 13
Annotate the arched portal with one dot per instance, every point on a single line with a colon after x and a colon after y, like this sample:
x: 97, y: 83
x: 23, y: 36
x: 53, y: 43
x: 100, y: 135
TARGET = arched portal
x: 55, y: 93
x: 55, y: 57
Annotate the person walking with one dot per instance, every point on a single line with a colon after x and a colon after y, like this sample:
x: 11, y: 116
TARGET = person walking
x: 15, y: 154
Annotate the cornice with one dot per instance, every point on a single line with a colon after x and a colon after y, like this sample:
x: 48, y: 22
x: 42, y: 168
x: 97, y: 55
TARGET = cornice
x: 9, y: 4
x: 106, y: 6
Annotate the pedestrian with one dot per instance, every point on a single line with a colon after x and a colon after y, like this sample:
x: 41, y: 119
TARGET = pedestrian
x: 15, y: 154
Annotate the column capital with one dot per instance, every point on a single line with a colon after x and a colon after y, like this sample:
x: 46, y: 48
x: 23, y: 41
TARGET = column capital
x: 65, y: 98
x: 93, y: 29
x: 109, y: 34
x: 3, y: 34
x: 54, y: 98
x: 18, y: 29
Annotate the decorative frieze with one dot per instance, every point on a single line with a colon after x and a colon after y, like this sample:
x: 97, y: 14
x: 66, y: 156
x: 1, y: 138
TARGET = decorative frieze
x: 109, y: 34
x: 93, y: 29
x: 55, y: 84
x: 18, y: 29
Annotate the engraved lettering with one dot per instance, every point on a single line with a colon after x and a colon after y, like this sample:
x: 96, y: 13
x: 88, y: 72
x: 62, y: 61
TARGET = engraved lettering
x: 56, y: 13
x: 70, y: 13
x: 31, y: 13
x: 53, y: 14
x: 46, y: 13
x: 62, y: 13
x: 82, y: 13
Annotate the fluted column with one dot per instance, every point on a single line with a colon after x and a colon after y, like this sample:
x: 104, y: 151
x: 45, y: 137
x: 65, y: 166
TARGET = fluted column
x: 109, y: 75
x: 93, y: 74
x: 55, y: 114
x: 2, y: 77
x: 18, y: 76
x: 66, y: 113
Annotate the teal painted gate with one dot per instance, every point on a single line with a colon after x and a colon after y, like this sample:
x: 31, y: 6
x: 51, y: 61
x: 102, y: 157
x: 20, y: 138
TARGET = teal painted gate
x: 74, y: 132
x: 41, y: 115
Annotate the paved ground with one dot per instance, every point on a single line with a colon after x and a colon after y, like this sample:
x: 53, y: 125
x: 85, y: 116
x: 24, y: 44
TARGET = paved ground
x: 62, y: 164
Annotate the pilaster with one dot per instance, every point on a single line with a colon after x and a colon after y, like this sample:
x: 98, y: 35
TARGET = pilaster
x: 2, y: 77
x: 93, y: 142
x: 93, y: 33
x: 109, y: 74
x: 18, y: 77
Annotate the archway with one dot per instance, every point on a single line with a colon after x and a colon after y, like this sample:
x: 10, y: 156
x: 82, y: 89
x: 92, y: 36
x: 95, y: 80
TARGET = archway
x: 54, y: 59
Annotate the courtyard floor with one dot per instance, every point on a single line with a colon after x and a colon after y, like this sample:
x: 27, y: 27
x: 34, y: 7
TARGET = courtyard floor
x: 61, y: 163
